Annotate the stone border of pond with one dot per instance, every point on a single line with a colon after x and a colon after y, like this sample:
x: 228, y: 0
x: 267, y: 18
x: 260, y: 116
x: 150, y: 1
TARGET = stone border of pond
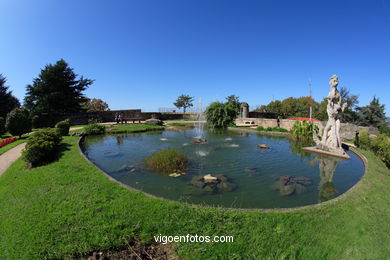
x: 318, y: 205
x: 259, y: 132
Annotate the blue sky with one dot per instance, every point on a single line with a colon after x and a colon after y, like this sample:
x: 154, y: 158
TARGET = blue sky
x: 143, y: 54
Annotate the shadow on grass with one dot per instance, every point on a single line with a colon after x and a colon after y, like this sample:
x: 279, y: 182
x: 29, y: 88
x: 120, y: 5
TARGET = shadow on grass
x: 62, y: 149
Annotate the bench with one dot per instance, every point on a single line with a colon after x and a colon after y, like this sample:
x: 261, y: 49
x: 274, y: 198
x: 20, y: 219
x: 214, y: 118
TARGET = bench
x: 125, y: 120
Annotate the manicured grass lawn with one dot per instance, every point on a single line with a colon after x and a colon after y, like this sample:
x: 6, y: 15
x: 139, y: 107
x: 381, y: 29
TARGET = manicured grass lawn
x: 69, y: 208
x: 117, y: 128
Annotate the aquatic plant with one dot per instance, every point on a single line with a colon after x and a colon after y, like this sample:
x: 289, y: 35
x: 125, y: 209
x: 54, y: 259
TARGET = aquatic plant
x: 167, y: 161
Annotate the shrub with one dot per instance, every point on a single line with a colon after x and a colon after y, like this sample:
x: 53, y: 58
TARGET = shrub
x: 364, y: 139
x: 385, y: 129
x: 2, y: 126
x: 62, y: 127
x: 18, y: 122
x: 260, y: 128
x: 94, y: 129
x: 380, y: 145
x: 304, y: 130
x: 42, y: 147
x: 167, y: 161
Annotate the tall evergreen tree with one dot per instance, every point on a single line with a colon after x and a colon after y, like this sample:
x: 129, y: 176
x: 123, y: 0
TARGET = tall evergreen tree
x: 56, y: 91
x: 7, y: 101
x: 373, y: 114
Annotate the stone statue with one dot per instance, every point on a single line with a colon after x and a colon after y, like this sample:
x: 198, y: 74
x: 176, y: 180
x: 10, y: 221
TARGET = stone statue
x: 331, y: 140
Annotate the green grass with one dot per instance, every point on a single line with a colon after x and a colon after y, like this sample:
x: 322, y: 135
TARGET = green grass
x: 132, y: 128
x: 11, y: 145
x: 5, y: 136
x: 69, y: 208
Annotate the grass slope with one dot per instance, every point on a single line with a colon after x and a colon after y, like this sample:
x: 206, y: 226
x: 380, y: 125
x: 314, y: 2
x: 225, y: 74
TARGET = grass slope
x: 69, y: 208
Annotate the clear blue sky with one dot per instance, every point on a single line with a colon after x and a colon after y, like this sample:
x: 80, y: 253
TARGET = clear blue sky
x: 144, y: 53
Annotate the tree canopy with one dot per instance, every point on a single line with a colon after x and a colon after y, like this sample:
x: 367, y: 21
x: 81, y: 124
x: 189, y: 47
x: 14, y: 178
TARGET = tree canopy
x: 7, y: 101
x: 56, y: 91
x: 184, y: 101
x: 95, y: 105
x: 372, y: 114
x: 234, y: 102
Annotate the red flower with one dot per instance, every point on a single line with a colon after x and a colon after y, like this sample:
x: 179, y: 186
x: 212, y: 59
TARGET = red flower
x: 8, y: 141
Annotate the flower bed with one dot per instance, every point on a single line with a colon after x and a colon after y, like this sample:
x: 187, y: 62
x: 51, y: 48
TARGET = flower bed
x: 8, y: 141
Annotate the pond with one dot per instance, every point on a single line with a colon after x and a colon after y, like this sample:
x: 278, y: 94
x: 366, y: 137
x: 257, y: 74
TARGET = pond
x: 279, y: 177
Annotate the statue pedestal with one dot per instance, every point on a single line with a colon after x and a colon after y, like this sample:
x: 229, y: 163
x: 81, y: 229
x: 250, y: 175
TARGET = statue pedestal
x: 340, y: 153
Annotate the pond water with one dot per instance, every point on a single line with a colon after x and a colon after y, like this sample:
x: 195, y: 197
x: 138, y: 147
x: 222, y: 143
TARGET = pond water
x: 279, y: 177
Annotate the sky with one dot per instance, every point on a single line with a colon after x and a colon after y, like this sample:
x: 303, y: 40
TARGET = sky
x: 144, y: 53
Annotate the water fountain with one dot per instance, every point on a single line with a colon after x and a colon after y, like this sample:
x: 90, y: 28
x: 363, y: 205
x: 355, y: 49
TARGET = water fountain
x: 199, y: 125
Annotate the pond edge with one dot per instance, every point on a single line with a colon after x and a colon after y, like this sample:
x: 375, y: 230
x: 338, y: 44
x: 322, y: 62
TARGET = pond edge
x: 312, y: 206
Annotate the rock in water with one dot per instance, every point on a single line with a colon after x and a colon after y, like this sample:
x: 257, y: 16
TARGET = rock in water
x: 263, y: 146
x: 210, y: 178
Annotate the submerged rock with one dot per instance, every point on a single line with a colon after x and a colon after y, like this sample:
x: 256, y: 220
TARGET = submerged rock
x: 213, y: 184
x: 199, y: 141
x: 288, y: 185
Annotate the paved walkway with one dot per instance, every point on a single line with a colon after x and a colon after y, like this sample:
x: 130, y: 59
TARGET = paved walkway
x: 10, y: 156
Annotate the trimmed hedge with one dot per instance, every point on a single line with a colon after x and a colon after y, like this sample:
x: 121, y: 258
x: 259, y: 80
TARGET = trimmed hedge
x: 18, y: 122
x: 42, y: 147
x: 63, y: 127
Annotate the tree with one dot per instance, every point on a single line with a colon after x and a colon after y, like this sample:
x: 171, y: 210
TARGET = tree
x: 220, y: 115
x: 95, y: 105
x: 234, y: 101
x: 373, y: 114
x: 7, y: 101
x: 349, y: 115
x: 56, y: 91
x: 184, y: 101
x: 322, y: 110
x: 18, y: 122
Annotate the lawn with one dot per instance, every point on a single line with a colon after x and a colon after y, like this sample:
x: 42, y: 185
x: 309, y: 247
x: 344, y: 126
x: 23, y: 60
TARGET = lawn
x: 69, y: 208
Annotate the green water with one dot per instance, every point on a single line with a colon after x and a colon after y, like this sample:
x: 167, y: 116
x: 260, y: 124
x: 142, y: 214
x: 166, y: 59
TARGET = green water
x: 234, y: 154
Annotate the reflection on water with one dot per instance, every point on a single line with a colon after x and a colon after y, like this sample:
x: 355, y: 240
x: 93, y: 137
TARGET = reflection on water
x: 327, y: 165
x: 252, y: 171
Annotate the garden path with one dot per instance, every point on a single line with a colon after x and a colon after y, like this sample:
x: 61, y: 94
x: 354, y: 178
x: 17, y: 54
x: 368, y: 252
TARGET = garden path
x: 9, y: 157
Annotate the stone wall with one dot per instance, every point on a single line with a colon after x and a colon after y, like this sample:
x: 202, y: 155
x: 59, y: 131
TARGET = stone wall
x: 348, y: 131
x: 109, y: 116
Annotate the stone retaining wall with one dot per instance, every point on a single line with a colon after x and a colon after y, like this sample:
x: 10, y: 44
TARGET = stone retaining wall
x: 348, y: 131
x: 109, y: 116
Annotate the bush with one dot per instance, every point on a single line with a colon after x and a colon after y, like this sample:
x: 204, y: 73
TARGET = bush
x: 18, y: 122
x: 385, y: 129
x: 364, y: 139
x: 62, y: 127
x: 94, y: 129
x: 2, y: 126
x: 260, y: 128
x: 42, y: 147
x: 167, y: 161
x: 380, y: 145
